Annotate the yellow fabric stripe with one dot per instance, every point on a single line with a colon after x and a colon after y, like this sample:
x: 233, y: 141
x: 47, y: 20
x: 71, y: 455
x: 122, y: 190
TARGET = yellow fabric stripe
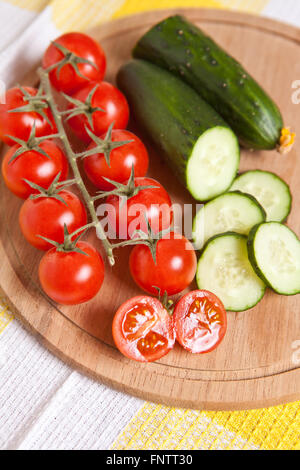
x: 272, y: 428
x: 159, y: 427
x: 135, y: 6
x: 32, y: 5
x: 249, y: 6
x: 81, y: 15
x: 5, y: 316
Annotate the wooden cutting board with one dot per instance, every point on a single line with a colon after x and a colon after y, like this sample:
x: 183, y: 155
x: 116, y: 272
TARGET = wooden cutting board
x: 257, y: 364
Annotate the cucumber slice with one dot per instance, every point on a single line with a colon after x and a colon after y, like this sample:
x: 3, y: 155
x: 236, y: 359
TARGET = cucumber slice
x: 225, y: 270
x: 213, y: 164
x: 274, y: 252
x: 234, y: 212
x: 270, y: 191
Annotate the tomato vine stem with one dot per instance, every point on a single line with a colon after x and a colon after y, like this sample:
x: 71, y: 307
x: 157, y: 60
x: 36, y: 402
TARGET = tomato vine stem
x: 45, y: 83
x: 72, y: 158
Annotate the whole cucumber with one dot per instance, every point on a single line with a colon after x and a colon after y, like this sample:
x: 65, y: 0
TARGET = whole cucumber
x: 197, y: 143
x: 182, y: 48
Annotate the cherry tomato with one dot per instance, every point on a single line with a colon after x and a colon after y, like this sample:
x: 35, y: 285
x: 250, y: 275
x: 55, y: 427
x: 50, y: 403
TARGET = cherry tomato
x: 47, y: 216
x: 19, y: 124
x: 121, y: 160
x: 152, y: 203
x: 200, y: 321
x: 67, y: 80
x: 71, y: 278
x: 35, y: 167
x: 175, y: 266
x: 110, y: 100
x: 143, y: 329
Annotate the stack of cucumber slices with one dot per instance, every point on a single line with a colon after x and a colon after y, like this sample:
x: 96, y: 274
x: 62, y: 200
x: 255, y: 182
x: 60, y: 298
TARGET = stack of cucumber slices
x: 244, y: 245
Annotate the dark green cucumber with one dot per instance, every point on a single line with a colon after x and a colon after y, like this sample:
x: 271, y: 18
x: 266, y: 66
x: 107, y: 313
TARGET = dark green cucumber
x: 197, y: 143
x: 180, y: 47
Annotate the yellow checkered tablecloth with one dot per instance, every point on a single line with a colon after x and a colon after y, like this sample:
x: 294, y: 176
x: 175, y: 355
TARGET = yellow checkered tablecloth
x: 142, y: 425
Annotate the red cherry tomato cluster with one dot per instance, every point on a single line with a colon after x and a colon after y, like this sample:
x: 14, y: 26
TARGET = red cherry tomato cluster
x: 104, y: 106
x: 71, y: 274
x: 143, y: 329
x: 52, y: 218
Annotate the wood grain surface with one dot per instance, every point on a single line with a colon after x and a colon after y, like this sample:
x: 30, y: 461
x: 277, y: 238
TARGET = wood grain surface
x: 254, y: 366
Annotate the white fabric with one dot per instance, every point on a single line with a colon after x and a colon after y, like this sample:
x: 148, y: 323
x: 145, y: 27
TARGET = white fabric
x: 13, y: 21
x: 26, y: 51
x: 284, y: 10
x: 43, y: 403
x: 46, y: 405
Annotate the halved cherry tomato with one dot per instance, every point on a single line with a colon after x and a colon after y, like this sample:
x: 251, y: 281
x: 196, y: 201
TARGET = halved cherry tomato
x: 19, y: 124
x: 121, y: 160
x: 175, y: 266
x: 143, y: 329
x: 200, y: 321
x: 114, y: 108
x: 67, y: 80
x: 130, y: 215
x: 35, y: 167
x: 71, y: 278
x: 47, y: 216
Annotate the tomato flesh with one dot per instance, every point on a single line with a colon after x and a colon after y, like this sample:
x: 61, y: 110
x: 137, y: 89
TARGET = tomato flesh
x: 143, y: 330
x: 200, y: 321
